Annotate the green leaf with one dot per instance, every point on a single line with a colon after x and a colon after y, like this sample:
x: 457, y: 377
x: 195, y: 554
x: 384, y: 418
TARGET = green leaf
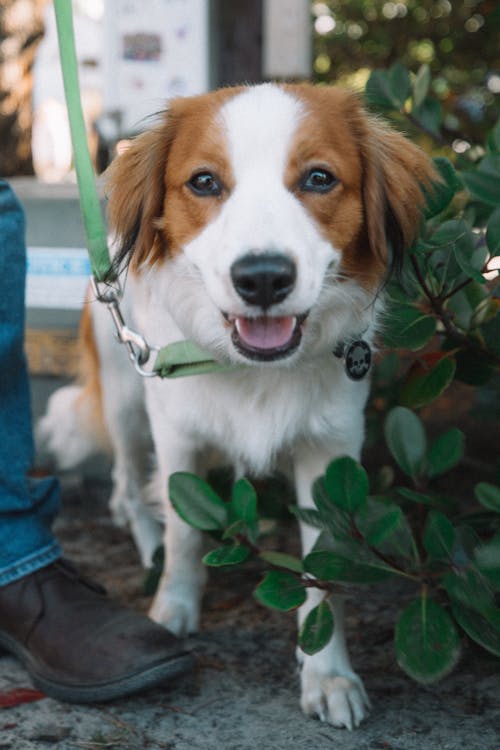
x: 405, y: 437
x: 494, y: 138
x: 196, y: 502
x: 443, y: 266
x: 325, y: 542
x: 281, y: 591
x: 309, y: 516
x: 456, y: 236
x: 400, y: 84
x: 378, y: 91
x: 445, y: 452
x: 350, y: 562
x: 333, y: 519
x: 482, y: 630
x: 415, y: 497
x: 442, y: 193
x: 470, y: 588
x: 282, y: 560
x: 427, y: 642
x: 243, y: 507
x: 421, y: 84
x: 448, y: 232
x: 429, y: 115
x: 317, y: 629
x: 406, y: 327
x: 470, y: 259
x: 228, y: 555
x: 488, y: 560
x: 439, y: 535
x: 493, y: 233
x: 346, y: 483
x: 426, y: 384
x: 244, y: 502
x: 466, y: 542
x: 467, y: 307
x: 488, y: 495
x: 484, y: 186
x: 385, y: 527
x: 490, y: 164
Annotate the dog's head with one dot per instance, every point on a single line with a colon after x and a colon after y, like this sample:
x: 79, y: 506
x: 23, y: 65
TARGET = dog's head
x: 267, y: 216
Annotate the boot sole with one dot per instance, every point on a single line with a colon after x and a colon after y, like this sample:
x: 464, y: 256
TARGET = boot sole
x: 101, y: 692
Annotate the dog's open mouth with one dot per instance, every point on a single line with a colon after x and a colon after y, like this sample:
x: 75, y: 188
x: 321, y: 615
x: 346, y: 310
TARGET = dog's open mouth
x: 266, y: 337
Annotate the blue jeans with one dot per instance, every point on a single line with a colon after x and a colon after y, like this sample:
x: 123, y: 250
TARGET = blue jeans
x: 27, y: 506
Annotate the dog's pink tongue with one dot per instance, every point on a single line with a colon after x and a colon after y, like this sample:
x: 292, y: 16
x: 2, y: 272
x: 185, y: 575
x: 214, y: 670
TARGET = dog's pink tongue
x: 265, y: 332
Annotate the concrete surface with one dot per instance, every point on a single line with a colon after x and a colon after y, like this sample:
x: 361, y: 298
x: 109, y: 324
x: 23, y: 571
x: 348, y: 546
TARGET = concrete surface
x: 244, y: 691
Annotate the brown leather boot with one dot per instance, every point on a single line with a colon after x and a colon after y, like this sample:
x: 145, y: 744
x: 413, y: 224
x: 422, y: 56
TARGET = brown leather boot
x: 77, y: 645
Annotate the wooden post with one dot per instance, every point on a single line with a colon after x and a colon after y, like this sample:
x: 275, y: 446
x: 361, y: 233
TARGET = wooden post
x: 236, y: 41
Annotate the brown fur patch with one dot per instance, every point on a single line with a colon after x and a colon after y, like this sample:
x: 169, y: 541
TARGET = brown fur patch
x: 150, y: 207
x: 91, y: 398
x: 381, y: 175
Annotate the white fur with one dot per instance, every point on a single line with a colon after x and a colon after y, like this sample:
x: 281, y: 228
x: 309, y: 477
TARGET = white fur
x: 302, y: 409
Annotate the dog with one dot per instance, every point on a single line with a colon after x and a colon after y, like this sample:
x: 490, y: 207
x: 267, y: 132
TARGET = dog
x: 260, y: 222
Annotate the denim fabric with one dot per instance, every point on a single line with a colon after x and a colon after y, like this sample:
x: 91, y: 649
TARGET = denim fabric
x: 27, y: 506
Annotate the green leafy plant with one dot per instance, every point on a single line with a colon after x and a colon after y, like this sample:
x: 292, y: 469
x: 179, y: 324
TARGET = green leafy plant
x: 447, y: 297
x: 410, y: 532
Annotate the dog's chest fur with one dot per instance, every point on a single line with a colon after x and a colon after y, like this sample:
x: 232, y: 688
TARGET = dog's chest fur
x: 258, y: 418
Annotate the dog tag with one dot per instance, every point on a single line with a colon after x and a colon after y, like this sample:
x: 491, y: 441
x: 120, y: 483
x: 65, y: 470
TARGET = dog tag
x: 357, y: 359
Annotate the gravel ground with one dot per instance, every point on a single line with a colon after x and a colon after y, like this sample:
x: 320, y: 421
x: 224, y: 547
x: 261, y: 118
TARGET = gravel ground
x: 243, y: 693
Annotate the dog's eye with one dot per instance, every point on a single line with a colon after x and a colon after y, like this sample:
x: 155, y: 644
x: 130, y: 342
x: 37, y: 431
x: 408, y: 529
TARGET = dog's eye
x: 318, y: 180
x: 205, y: 183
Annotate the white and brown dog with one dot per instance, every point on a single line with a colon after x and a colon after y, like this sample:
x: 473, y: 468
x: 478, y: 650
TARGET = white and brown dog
x: 256, y: 222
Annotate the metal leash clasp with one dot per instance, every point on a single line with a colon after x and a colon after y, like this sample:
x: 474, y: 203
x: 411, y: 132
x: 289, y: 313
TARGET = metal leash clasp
x: 138, y: 348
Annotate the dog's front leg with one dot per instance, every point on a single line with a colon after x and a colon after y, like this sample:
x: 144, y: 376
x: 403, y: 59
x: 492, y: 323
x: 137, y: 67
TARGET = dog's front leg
x: 178, y: 598
x: 330, y: 687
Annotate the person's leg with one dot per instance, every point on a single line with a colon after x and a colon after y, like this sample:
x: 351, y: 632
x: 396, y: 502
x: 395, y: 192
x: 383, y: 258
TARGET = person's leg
x: 76, y: 644
x: 27, y: 506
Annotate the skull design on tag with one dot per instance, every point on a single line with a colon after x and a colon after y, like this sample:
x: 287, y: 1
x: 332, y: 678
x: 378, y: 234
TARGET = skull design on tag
x: 358, y: 359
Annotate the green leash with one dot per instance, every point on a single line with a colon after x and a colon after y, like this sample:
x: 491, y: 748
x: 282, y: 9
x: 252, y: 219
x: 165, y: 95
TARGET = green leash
x: 89, y: 200
x: 176, y: 360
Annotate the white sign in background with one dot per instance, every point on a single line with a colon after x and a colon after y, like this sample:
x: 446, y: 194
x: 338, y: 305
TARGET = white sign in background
x: 287, y: 39
x: 152, y: 52
x: 57, y: 277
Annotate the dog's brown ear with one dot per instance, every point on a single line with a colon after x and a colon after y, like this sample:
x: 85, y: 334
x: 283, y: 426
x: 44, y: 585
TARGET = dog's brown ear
x: 396, y: 172
x: 135, y: 184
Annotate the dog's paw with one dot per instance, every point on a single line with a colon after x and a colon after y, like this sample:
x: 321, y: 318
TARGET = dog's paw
x: 178, y: 609
x: 340, y: 700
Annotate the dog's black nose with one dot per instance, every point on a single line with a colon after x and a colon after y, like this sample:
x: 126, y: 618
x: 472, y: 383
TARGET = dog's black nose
x: 263, y: 279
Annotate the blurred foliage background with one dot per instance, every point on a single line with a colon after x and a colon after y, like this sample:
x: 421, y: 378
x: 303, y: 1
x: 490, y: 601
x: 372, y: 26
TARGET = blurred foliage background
x: 460, y: 41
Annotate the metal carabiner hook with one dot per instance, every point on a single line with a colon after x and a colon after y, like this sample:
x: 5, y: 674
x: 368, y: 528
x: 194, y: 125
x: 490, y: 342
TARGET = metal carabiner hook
x: 133, y: 341
x: 138, y: 348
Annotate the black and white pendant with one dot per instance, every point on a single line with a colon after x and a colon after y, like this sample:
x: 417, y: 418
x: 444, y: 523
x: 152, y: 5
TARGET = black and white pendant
x: 357, y: 357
